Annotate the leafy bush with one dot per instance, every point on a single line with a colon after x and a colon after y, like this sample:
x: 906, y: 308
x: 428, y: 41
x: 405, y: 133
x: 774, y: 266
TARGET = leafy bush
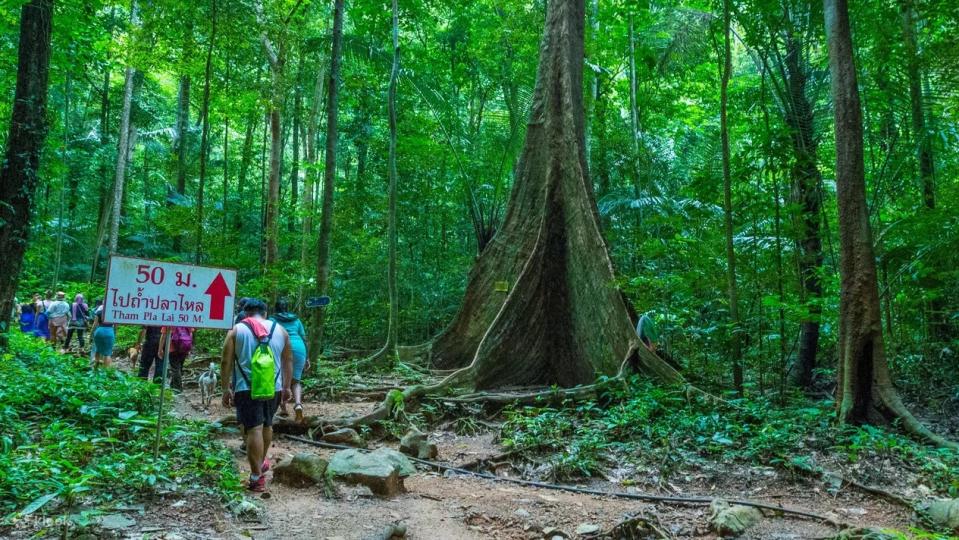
x: 75, y: 435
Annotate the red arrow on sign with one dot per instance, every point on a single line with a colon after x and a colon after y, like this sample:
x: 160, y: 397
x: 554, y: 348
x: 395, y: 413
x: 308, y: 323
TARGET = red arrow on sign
x: 218, y: 291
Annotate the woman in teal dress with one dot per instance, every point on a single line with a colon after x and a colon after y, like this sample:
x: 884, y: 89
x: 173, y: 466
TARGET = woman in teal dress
x: 293, y: 326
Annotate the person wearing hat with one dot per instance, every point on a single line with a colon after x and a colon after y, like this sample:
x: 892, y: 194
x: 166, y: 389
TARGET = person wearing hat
x: 58, y: 315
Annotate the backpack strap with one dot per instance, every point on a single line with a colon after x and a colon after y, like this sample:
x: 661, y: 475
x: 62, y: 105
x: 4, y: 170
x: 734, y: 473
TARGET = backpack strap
x: 236, y: 365
x: 269, y: 340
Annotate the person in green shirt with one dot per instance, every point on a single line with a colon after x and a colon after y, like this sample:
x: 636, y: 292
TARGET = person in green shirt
x: 294, y: 327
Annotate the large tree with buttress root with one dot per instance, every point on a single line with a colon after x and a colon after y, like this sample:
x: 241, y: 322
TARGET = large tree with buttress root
x: 541, y: 306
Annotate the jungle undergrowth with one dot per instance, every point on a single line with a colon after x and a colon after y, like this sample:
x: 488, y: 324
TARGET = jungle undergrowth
x: 655, y: 426
x: 73, y: 438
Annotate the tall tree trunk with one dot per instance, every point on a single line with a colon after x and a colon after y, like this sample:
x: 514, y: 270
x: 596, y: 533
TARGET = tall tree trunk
x: 68, y: 178
x: 277, y: 61
x: 389, y: 351
x: 865, y: 393
x: 205, y: 134
x: 939, y: 327
x: 920, y: 134
x: 104, y: 208
x: 24, y: 144
x: 393, y: 333
x: 182, y: 144
x: 807, y: 194
x: 311, y: 173
x: 634, y: 118
x: 329, y: 175
x: 246, y: 154
x: 123, y: 147
x: 561, y: 321
x: 226, y: 175
x: 295, y: 169
x: 735, y: 338
x: 73, y: 180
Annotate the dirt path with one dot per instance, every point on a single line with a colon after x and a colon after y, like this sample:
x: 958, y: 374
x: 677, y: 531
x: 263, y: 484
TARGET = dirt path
x: 459, y: 507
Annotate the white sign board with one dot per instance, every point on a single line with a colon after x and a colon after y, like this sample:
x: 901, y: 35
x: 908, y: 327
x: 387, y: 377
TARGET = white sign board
x: 154, y: 293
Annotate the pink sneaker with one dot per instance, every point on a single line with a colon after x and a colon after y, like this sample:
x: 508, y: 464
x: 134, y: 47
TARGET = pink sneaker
x: 258, y: 485
x: 265, y: 466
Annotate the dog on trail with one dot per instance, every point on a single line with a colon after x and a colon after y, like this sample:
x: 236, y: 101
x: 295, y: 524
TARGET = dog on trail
x: 207, y: 381
x: 134, y: 354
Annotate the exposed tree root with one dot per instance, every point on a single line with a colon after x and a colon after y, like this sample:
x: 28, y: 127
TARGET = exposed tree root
x: 621, y: 495
x: 897, y: 410
x: 872, y: 490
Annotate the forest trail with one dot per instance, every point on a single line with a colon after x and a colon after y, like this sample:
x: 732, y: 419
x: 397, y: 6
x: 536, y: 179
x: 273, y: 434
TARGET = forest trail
x: 459, y: 507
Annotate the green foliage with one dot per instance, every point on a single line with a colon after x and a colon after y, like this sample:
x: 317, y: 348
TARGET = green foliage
x: 656, y: 425
x: 74, y: 435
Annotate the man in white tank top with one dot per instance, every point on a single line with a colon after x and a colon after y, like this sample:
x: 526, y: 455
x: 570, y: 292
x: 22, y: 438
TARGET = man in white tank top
x: 256, y: 416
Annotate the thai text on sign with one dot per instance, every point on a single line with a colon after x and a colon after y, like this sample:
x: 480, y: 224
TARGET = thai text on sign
x: 148, y: 292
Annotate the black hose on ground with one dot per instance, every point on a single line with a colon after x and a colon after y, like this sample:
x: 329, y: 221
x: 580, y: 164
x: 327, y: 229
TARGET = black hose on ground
x: 587, y: 491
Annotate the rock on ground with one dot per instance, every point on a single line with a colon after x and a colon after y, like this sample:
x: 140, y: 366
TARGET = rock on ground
x: 416, y: 444
x: 943, y: 513
x: 732, y: 520
x: 382, y: 470
x: 302, y: 470
x: 345, y: 436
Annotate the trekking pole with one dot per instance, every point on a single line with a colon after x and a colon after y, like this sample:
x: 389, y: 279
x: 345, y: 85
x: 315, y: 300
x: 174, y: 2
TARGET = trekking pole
x: 166, y: 364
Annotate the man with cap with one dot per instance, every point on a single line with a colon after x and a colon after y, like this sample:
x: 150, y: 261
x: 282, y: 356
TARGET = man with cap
x: 255, y: 416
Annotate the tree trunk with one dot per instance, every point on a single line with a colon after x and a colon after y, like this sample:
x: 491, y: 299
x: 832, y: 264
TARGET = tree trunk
x: 24, y: 144
x: 73, y: 180
x: 205, y: 134
x: 920, y: 134
x: 389, y: 350
x: 104, y: 207
x: 561, y: 321
x: 277, y: 61
x: 182, y: 144
x: 246, y: 155
x: 939, y: 327
x: 69, y: 179
x: 123, y: 151
x: 865, y: 393
x: 807, y: 194
x: 295, y: 169
x: 735, y: 338
x: 634, y: 120
x: 226, y: 174
x: 311, y: 172
x: 329, y: 174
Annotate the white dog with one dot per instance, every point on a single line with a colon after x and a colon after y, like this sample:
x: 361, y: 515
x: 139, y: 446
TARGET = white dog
x: 207, y: 381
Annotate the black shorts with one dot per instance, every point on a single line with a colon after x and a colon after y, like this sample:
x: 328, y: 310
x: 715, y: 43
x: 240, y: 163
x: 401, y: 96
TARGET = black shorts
x: 251, y: 413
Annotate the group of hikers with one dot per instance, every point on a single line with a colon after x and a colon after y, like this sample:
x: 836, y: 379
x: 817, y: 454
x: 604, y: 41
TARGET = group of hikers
x: 50, y: 317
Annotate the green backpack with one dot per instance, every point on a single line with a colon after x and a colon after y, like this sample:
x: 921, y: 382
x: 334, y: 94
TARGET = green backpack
x: 263, y: 373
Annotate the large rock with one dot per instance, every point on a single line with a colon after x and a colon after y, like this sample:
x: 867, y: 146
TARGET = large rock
x: 382, y: 470
x: 733, y: 520
x: 302, y: 470
x: 345, y: 436
x: 415, y: 444
x: 943, y: 513
x: 403, y: 464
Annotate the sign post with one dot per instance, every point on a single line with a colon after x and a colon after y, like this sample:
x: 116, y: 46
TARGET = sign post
x: 166, y: 365
x: 155, y: 293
